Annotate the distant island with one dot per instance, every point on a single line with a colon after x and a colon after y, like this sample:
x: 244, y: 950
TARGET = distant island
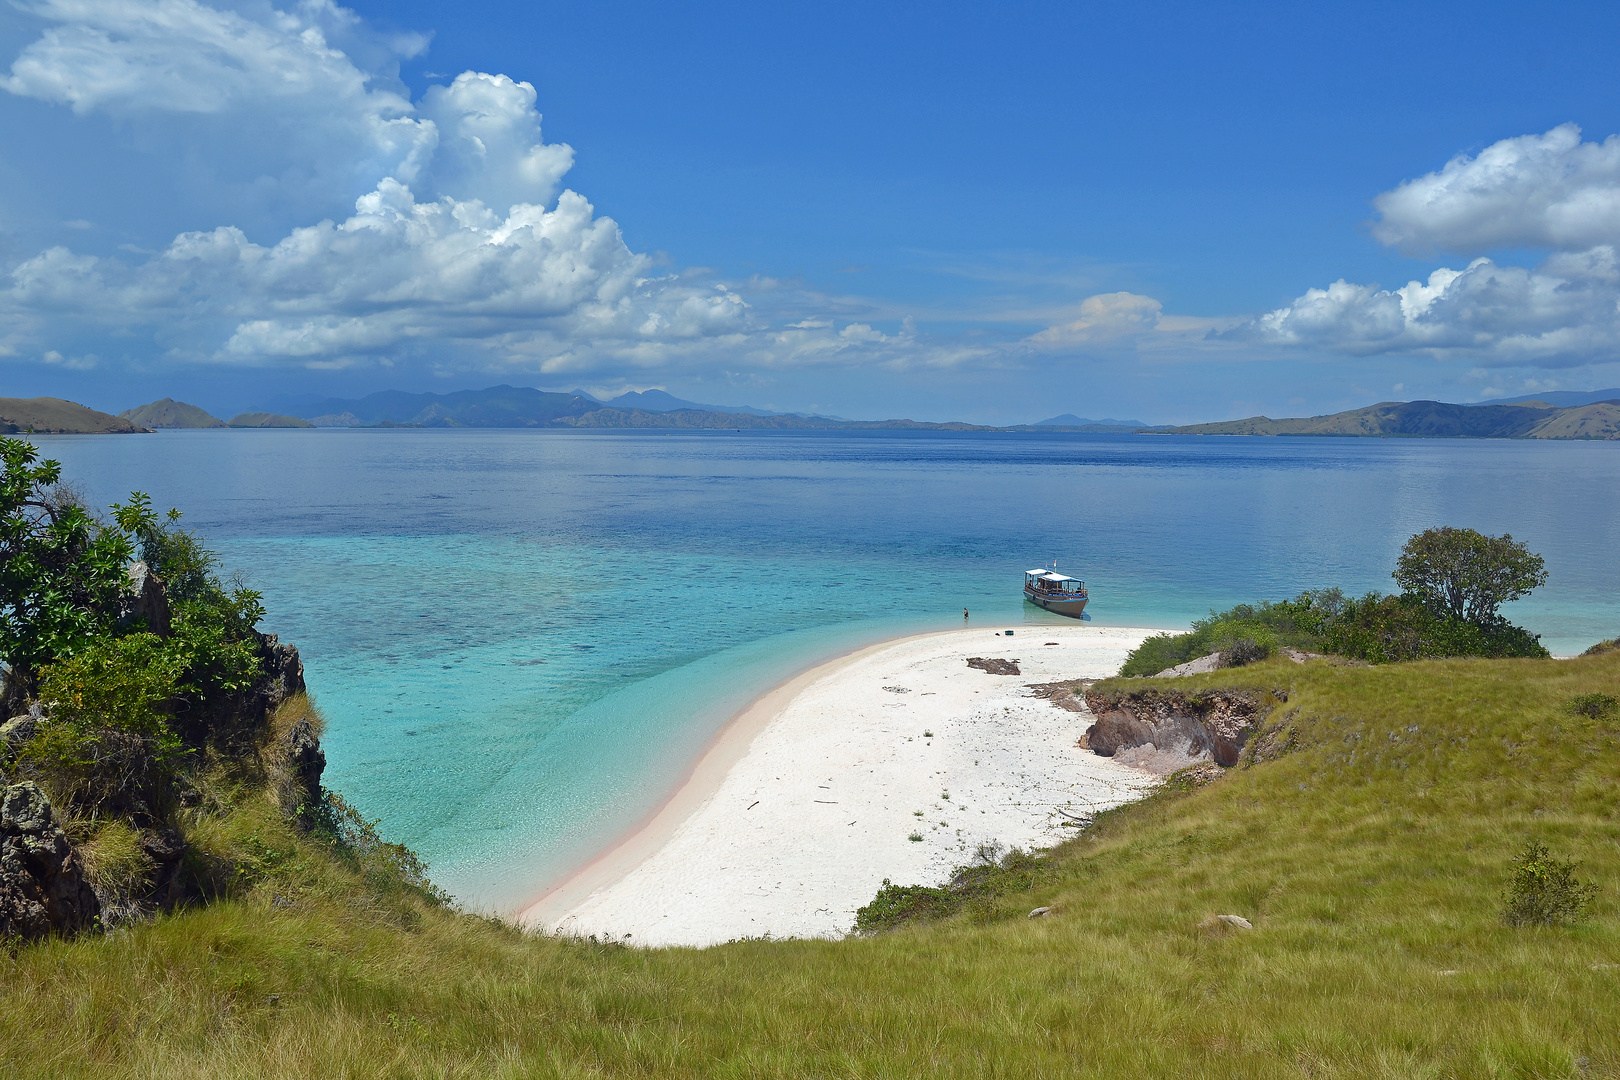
x: 1533, y: 419
x: 169, y: 413
x: 54, y: 416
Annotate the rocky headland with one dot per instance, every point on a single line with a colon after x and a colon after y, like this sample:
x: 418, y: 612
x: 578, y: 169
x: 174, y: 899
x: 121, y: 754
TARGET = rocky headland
x: 263, y: 734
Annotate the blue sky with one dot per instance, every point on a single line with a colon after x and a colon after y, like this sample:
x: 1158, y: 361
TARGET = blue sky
x: 945, y: 211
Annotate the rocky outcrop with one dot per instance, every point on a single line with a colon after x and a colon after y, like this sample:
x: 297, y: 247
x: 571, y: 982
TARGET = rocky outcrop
x: 43, y: 889
x: 1200, y: 666
x: 994, y: 665
x: 17, y: 731
x: 166, y: 849
x: 145, y: 602
x: 1065, y: 695
x: 283, y: 671
x: 233, y: 721
x: 306, y: 761
x: 1162, y: 731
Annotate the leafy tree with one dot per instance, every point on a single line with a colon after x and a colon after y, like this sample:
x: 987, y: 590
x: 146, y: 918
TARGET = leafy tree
x: 61, y: 572
x: 1463, y: 574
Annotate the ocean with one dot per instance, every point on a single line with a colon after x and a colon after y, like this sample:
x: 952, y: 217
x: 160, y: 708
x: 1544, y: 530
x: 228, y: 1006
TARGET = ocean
x: 522, y: 639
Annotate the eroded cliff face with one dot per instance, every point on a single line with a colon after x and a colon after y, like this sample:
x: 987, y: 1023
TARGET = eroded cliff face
x: 1161, y: 731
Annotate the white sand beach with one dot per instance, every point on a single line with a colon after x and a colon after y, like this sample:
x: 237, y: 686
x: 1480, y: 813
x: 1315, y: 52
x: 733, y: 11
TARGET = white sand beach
x: 807, y: 799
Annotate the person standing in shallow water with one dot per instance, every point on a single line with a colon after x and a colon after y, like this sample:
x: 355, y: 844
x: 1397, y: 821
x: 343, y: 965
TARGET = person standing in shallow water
x: 964, y: 614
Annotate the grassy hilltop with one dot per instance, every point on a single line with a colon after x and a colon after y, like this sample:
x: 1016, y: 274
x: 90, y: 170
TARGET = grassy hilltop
x: 1371, y: 857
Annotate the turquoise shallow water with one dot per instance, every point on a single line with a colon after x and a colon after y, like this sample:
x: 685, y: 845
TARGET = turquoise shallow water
x: 521, y: 638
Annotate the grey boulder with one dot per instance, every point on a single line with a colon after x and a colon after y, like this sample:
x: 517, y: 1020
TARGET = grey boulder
x: 43, y: 889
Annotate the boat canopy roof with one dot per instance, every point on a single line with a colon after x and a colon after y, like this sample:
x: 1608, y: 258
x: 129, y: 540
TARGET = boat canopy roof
x: 1050, y: 575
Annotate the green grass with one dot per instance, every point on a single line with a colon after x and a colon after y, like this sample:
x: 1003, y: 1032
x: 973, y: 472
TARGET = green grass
x: 1373, y: 861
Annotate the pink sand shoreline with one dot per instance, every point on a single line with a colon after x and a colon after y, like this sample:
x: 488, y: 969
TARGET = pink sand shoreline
x: 649, y: 833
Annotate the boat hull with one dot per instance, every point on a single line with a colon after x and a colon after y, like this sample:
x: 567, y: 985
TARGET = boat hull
x: 1057, y: 605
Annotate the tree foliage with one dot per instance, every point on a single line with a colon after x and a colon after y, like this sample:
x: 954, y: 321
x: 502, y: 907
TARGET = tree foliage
x: 1464, y: 574
x: 64, y: 581
x: 1383, y: 629
x: 61, y: 572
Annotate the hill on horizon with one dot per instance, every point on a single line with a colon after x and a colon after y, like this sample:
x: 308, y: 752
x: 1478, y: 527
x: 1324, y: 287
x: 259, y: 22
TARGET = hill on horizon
x: 1561, y: 398
x: 493, y: 406
x: 1436, y: 419
x: 268, y: 420
x: 57, y: 416
x: 524, y: 406
x: 659, y: 401
x: 1071, y: 420
x: 169, y: 413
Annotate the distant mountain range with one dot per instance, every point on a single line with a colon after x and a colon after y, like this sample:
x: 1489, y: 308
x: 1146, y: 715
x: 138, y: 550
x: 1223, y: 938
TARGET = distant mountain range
x: 168, y: 413
x: 657, y: 401
x: 1534, y: 419
x: 1561, y: 398
x: 1573, y: 415
x: 522, y: 406
x: 505, y: 406
x: 1069, y: 420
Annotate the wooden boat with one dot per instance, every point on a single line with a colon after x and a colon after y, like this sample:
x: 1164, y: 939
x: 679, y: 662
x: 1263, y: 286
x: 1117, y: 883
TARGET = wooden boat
x: 1055, y: 592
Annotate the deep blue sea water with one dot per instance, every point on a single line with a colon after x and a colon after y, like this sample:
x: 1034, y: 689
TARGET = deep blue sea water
x: 522, y: 638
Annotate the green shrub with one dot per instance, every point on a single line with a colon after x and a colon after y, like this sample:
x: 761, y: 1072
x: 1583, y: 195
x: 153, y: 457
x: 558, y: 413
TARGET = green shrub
x: 1249, y: 631
x: 1595, y: 706
x: 994, y: 872
x: 1158, y: 653
x: 386, y: 867
x: 214, y: 641
x: 1545, y: 891
x: 105, y: 745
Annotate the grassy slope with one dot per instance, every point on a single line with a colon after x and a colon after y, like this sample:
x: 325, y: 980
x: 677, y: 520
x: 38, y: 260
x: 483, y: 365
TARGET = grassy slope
x: 1372, y: 861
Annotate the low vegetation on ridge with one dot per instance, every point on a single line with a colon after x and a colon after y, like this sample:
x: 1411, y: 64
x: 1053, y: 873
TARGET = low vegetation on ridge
x: 1453, y: 582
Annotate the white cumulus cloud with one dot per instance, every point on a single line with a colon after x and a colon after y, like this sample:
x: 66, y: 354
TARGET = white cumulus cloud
x: 1542, y: 191
x: 1551, y: 191
x: 276, y: 76
x: 1563, y: 313
x: 1106, y: 317
x: 397, y: 271
x: 463, y: 238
